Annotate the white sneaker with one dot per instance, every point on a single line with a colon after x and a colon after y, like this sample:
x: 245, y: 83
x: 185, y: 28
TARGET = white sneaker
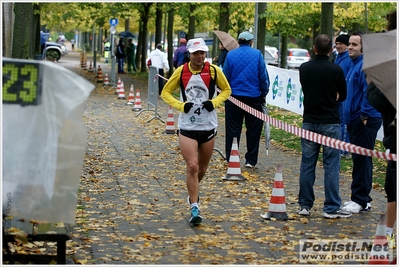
x: 366, y: 209
x: 304, y: 211
x: 352, y: 207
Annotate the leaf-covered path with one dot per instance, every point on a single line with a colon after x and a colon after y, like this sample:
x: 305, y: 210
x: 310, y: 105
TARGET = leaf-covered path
x: 133, y: 200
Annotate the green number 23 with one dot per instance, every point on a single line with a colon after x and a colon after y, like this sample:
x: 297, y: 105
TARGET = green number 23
x: 28, y: 92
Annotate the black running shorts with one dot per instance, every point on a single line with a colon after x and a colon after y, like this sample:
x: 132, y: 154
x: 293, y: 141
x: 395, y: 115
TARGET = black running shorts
x: 200, y: 136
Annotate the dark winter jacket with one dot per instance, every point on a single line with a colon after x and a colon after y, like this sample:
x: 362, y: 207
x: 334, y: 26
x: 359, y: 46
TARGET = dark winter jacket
x: 379, y: 101
x: 321, y: 80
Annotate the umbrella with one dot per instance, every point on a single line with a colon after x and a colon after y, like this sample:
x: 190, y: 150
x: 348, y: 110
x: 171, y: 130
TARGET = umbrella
x: 267, y: 129
x: 379, y: 62
x: 227, y: 40
x: 127, y: 34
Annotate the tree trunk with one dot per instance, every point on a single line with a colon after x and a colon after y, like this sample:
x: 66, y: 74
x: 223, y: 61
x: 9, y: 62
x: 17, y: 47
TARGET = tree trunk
x: 224, y: 25
x: 170, y: 39
x: 327, y: 12
x: 22, y: 45
x: 36, y: 29
x: 224, y: 14
x: 144, y: 16
x: 261, y: 38
x: 8, y: 27
x: 158, y: 23
x: 191, y: 22
x: 284, y: 42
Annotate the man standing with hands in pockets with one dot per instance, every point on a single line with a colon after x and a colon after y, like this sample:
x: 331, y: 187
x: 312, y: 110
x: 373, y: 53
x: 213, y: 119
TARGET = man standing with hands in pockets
x: 324, y: 87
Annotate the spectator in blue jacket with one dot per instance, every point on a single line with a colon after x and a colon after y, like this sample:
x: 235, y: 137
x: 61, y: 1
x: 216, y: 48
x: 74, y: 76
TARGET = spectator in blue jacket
x: 363, y: 123
x: 178, y: 56
x: 245, y: 69
x: 345, y: 62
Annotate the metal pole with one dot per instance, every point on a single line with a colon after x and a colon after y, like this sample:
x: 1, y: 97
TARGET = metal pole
x: 366, y: 26
x: 94, y: 52
x: 113, y: 61
x: 255, y: 45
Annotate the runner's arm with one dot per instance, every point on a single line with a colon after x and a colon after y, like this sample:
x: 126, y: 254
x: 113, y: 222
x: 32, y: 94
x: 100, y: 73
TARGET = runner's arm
x: 170, y: 86
x: 224, y: 86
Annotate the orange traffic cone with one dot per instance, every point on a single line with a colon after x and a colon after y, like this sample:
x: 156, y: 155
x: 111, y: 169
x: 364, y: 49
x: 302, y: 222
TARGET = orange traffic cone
x: 122, y: 92
x: 85, y: 65
x: 99, y: 75
x: 106, y: 81
x: 137, y: 102
x: 277, y: 207
x: 131, y: 96
x: 82, y: 60
x: 234, y: 169
x: 118, y: 86
x: 170, y: 122
x: 380, y: 253
x: 90, y: 68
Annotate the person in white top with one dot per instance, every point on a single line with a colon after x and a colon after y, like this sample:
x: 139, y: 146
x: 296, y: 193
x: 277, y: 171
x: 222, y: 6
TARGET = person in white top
x: 158, y: 59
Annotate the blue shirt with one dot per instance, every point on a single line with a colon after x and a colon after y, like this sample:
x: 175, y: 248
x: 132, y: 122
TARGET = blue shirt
x: 344, y: 61
x: 356, y: 103
x: 245, y: 69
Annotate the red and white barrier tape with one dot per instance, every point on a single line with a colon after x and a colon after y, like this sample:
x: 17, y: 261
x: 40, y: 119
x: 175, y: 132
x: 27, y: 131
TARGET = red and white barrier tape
x: 309, y: 135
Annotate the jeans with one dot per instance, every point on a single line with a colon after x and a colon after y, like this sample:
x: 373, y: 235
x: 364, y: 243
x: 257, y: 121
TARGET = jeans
x: 331, y: 163
x: 234, y: 120
x: 120, y: 65
x: 362, y: 172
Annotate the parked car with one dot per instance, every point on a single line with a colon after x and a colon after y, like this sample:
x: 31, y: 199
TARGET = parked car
x: 297, y: 56
x: 274, y: 54
x: 52, y: 49
x: 55, y: 49
x: 270, y: 59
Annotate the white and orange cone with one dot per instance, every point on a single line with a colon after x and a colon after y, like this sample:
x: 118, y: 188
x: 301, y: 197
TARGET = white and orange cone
x: 234, y: 168
x: 106, y: 80
x: 137, y: 102
x: 118, y: 86
x: 82, y: 60
x: 90, y: 68
x: 85, y: 65
x: 380, y: 253
x: 277, y: 207
x: 131, y: 96
x: 121, y: 94
x: 170, y: 122
x: 100, y: 75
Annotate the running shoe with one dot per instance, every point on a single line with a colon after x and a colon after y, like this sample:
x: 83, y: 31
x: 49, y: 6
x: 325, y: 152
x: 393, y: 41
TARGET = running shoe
x: 337, y: 214
x: 195, y: 216
x: 304, y: 212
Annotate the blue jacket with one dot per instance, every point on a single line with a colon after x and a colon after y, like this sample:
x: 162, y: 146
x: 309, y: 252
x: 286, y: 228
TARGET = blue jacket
x: 245, y: 69
x: 178, y: 57
x: 344, y: 61
x: 356, y: 103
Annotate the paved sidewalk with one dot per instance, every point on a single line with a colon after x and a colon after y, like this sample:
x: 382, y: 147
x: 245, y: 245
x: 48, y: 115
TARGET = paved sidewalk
x: 133, y: 200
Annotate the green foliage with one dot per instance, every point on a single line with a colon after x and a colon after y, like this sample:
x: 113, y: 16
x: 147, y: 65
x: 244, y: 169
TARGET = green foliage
x: 296, y: 19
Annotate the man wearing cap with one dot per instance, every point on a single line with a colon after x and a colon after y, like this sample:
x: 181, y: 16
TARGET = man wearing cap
x: 178, y: 56
x: 197, y: 122
x: 345, y: 62
x: 245, y: 69
x: 159, y: 59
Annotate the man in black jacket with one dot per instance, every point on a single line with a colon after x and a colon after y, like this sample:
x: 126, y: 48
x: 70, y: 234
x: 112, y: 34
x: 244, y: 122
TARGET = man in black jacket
x: 324, y: 86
